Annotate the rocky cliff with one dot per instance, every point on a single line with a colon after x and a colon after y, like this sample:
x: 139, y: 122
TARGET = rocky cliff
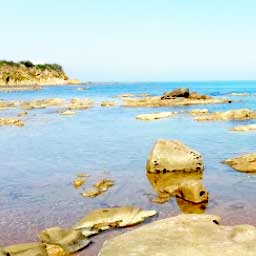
x: 27, y: 73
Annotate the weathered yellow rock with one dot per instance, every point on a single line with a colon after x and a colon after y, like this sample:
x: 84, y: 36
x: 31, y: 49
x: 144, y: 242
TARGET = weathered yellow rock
x: 70, y: 240
x: 155, y: 116
x: 102, y: 219
x: 11, y: 122
x: 190, y: 207
x: 23, y: 113
x: 184, y: 235
x: 98, y: 188
x: 55, y: 250
x: 30, y: 249
x: 245, y: 163
x: 2, y: 252
x: 67, y: 113
x: 199, y: 111
x: 108, y: 103
x: 238, y: 114
x: 173, y: 156
x: 244, y: 128
x: 7, y: 105
x: 78, y: 182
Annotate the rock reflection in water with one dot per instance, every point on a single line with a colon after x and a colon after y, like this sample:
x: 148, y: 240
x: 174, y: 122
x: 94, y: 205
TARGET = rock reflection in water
x: 168, y: 185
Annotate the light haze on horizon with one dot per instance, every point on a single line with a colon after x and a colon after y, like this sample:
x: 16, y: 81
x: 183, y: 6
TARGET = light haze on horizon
x: 143, y: 40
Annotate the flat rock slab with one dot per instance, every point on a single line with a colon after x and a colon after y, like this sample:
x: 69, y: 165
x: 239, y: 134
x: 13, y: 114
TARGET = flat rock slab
x: 244, y: 128
x: 245, y: 163
x: 173, y: 156
x: 184, y: 235
x: 155, y: 116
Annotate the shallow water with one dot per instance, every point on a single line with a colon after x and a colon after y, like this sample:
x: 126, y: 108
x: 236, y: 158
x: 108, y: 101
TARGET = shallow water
x: 39, y: 161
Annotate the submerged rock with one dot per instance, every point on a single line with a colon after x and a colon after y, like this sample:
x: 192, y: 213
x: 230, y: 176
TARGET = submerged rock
x: 67, y: 113
x: 245, y: 163
x: 106, y: 218
x: 99, y: 188
x: 108, y: 103
x: 244, y: 128
x: 199, y: 111
x: 156, y: 116
x: 173, y: 156
x: 238, y: 114
x: 30, y: 249
x: 44, y: 103
x: 184, y: 235
x: 11, y: 122
x: 80, y: 104
x: 70, y: 240
x: 78, y: 182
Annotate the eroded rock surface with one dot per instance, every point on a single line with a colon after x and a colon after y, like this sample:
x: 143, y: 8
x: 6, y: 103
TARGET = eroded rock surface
x: 80, y: 104
x: 245, y: 163
x: 155, y: 116
x: 173, y: 156
x: 70, y: 240
x: 108, y: 103
x: 244, y: 128
x: 238, y: 114
x: 184, y: 235
x: 44, y: 103
x: 106, y: 218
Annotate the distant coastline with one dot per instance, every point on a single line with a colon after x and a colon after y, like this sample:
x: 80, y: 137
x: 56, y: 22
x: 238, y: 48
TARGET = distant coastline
x: 26, y: 73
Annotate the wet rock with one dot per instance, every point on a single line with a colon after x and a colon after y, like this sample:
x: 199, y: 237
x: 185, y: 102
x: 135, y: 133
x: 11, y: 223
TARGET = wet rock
x: 184, y: 235
x: 197, y: 96
x: 180, y: 92
x: 99, y: 188
x: 11, y: 122
x: 23, y: 113
x: 173, y: 156
x: 244, y: 128
x: 30, y: 249
x: 108, y: 103
x: 245, y: 163
x: 67, y: 113
x: 70, y: 240
x: 199, y: 111
x: 190, y: 207
x: 80, y: 104
x: 106, y: 218
x: 238, y: 114
x: 155, y: 116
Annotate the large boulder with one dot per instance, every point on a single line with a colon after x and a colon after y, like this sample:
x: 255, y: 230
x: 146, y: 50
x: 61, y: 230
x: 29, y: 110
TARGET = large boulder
x: 180, y: 92
x: 184, y: 235
x: 173, y: 156
x: 245, y: 163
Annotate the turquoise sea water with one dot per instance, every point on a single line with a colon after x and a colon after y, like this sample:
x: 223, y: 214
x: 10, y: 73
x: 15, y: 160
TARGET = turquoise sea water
x: 39, y: 161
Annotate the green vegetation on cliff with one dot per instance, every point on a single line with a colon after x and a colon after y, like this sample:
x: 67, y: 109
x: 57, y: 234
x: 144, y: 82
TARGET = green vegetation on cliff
x: 27, y: 73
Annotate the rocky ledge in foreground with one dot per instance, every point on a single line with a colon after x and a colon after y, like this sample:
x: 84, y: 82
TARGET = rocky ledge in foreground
x: 178, y: 97
x: 245, y: 163
x: 25, y: 73
x: 184, y: 235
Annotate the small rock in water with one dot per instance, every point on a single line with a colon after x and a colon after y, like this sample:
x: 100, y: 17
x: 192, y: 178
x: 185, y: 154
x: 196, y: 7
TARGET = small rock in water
x: 11, y: 122
x: 67, y: 113
x: 244, y: 128
x: 99, y: 188
x: 30, y: 249
x: 245, y: 163
x: 78, y: 182
x: 155, y: 116
x: 199, y: 111
x: 108, y: 103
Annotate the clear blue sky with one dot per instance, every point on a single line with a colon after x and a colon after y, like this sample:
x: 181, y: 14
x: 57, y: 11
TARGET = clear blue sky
x: 106, y: 40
